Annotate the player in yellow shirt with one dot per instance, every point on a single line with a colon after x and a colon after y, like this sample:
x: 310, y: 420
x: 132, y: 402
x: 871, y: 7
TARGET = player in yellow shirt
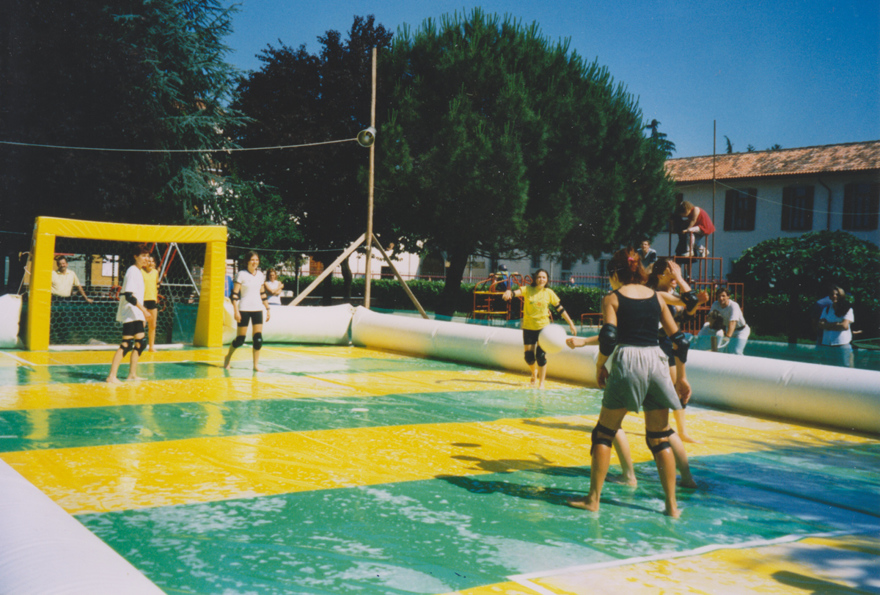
x: 151, y: 296
x: 537, y: 301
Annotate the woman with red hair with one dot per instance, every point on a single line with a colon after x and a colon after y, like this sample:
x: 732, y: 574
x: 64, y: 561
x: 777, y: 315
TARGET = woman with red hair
x: 639, y: 375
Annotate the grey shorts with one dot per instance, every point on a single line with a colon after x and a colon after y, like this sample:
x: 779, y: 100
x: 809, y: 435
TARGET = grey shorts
x: 640, y: 379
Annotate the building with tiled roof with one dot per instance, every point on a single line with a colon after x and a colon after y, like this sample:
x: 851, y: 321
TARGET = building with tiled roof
x: 760, y: 195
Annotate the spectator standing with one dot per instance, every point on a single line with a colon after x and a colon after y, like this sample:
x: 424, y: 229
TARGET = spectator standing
x: 64, y: 280
x: 835, y: 323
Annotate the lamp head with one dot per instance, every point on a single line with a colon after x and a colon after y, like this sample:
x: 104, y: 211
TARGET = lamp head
x: 366, y: 138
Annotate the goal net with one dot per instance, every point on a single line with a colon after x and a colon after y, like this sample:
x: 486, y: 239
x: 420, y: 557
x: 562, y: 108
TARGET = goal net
x: 191, y: 265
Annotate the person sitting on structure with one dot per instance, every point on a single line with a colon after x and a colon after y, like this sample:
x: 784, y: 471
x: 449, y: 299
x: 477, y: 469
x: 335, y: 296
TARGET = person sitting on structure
x: 695, y: 225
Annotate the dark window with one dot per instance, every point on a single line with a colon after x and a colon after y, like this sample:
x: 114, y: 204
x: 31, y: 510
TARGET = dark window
x: 739, y: 209
x: 797, y: 208
x: 861, y: 204
x: 536, y: 262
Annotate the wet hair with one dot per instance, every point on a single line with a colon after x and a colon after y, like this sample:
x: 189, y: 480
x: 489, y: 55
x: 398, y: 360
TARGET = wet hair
x: 658, y: 269
x: 841, y: 307
x: 683, y: 208
x: 627, y: 265
x: 535, y: 277
x: 715, y: 320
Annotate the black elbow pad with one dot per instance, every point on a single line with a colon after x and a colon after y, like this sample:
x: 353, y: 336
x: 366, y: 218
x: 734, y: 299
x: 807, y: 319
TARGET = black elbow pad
x: 607, y: 339
x: 558, y: 309
x: 681, y: 346
x: 129, y: 297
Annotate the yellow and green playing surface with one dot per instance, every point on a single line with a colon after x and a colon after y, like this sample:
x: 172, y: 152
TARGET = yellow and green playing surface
x: 346, y: 470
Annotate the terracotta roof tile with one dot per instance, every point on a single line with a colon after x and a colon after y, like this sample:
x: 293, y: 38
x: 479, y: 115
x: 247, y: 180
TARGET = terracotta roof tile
x: 758, y: 164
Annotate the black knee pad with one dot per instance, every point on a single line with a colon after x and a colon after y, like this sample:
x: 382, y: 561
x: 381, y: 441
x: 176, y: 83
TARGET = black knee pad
x: 662, y: 436
x: 141, y: 344
x: 530, y: 357
x: 258, y: 341
x: 541, y: 356
x: 238, y: 341
x: 601, y: 435
x: 126, y: 345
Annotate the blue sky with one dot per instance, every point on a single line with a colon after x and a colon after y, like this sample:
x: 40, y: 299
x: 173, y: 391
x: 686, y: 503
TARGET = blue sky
x: 796, y: 73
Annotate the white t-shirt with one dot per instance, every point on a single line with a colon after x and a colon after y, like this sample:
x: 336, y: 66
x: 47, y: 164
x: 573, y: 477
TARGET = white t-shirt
x: 274, y: 286
x: 133, y: 284
x: 251, y: 285
x: 732, y: 313
x: 837, y: 337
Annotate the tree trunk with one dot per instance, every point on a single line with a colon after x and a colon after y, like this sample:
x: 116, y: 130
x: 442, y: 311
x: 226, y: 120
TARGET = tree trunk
x: 346, y: 281
x: 452, y: 288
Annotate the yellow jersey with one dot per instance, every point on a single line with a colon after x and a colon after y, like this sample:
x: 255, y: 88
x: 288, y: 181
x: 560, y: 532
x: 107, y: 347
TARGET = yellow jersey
x: 536, y: 306
x: 151, y: 282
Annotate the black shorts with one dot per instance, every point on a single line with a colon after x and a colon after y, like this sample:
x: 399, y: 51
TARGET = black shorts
x: 530, y: 337
x: 150, y: 304
x: 130, y: 329
x: 248, y: 317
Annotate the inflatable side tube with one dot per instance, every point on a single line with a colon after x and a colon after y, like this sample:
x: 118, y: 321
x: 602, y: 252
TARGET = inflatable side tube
x: 824, y: 395
x: 297, y: 324
x: 10, y: 315
x: 45, y: 550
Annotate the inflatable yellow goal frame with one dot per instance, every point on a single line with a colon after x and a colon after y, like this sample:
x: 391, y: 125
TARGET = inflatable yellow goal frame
x: 209, y: 320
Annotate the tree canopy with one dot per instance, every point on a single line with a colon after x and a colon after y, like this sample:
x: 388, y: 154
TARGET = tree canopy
x: 499, y: 142
x: 300, y: 98
x: 133, y: 79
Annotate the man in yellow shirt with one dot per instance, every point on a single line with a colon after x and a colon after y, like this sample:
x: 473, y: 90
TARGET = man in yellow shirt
x: 64, y: 280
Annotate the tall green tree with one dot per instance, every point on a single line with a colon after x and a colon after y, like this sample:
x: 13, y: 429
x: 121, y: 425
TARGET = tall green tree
x: 498, y: 141
x: 115, y: 75
x: 301, y: 98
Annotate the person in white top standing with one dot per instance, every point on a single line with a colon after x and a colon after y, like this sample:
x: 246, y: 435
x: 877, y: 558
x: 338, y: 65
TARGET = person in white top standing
x: 248, y: 291
x: 133, y: 315
x: 274, y: 287
x: 835, y: 322
x: 735, y: 328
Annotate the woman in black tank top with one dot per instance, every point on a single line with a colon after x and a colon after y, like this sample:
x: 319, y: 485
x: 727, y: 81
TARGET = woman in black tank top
x: 638, y: 377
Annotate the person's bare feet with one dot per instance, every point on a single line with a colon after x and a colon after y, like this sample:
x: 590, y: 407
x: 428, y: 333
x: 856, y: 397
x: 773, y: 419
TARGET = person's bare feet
x: 135, y: 378
x: 687, y: 482
x: 673, y: 512
x: 623, y: 479
x: 113, y: 380
x: 584, y: 504
x: 259, y: 369
x: 227, y: 362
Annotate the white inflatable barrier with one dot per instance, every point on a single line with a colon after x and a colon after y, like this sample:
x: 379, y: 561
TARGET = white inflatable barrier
x: 10, y: 314
x: 824, y: 395
x: 45, y: 550
x: 297, y: 324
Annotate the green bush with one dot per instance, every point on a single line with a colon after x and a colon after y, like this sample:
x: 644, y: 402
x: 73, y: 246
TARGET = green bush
x: 804, y: 267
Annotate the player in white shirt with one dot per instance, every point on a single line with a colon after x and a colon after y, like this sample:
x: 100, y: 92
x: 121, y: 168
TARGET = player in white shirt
x: 248, y: 292
x: 133, y: 315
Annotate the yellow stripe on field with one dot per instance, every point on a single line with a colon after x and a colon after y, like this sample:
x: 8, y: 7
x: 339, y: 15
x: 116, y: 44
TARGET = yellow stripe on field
x: 120, y: 477
x: 842, y: 565
x: 219, y: 387
x: 807, y: 566
x: 68, y: 358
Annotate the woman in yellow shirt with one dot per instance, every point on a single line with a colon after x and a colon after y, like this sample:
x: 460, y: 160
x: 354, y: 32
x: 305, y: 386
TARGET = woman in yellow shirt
x: 537, y: 301
x: 151, y: 297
